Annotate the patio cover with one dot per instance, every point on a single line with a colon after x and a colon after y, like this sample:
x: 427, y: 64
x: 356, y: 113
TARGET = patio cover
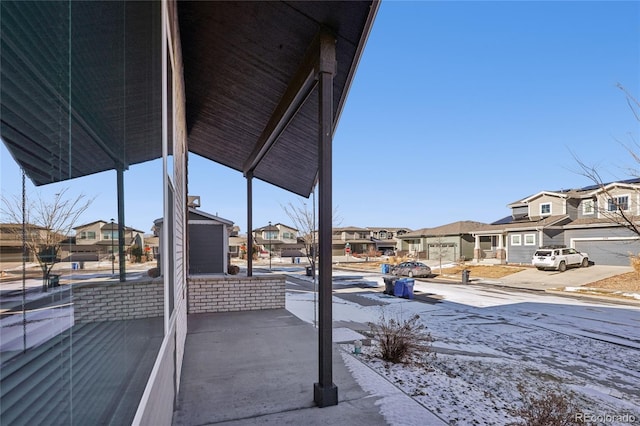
x: 81, y: 84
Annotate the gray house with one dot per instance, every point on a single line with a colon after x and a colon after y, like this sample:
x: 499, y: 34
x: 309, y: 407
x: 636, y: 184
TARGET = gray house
x: 588, y: 219
x: 208, y: 242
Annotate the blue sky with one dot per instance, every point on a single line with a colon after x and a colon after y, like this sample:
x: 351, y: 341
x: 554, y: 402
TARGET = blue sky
x: 457, y: 109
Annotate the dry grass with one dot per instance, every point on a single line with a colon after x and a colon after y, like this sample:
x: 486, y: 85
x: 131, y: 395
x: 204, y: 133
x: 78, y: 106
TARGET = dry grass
x: 623, y: 282
x: 484, y: 271
x: 629, y: 282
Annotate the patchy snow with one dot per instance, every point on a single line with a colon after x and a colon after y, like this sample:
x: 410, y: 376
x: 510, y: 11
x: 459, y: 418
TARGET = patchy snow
x: 597, y: 291
x: 487, y: 341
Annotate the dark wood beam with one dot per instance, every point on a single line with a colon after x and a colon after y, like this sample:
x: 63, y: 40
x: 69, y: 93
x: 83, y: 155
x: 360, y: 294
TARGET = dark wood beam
x: 298, y: 90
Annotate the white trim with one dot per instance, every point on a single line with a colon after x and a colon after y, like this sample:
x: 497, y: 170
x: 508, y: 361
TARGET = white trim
x: 617, y: 196
x: 572, y: 240
x: 584, y: 205
x: 512, y: 238
x: 541, y: 193
x: 164, y: 255
x: 612, y: 185
x: 142, y: 405
x: 533, y: 243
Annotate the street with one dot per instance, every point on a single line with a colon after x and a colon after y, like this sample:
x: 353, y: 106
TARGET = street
x: 491, y: 345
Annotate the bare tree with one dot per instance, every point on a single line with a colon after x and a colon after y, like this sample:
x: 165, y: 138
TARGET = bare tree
x: 303, y: 218
x: 49, y: 223
x: 617, y: 210
x: 441, y: 249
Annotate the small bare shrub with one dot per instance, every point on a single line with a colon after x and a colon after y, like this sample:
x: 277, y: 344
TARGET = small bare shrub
x: 154, y: 272
x: 550, y: 408
x: 233, y: 269
x: 400, y: 339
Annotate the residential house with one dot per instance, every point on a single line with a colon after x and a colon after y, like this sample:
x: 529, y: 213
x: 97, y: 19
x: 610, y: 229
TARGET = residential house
x: 362, y: 241
x: 351, y: 240
x: 11, y: 241
x: 387, y: 239
x: 237, y: 243
x: 587, y: 219
x: 98, y: 240
x: 450, y: 242
x: 279, y: 240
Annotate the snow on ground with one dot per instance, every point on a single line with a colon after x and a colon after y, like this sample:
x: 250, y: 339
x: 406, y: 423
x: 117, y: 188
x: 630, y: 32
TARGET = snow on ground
x: 487, y: 342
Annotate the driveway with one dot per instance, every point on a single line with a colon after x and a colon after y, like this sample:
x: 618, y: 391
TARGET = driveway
x: 574, y: 277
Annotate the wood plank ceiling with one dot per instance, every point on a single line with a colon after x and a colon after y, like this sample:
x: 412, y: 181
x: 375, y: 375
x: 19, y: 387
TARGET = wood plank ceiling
x: 81, y: 83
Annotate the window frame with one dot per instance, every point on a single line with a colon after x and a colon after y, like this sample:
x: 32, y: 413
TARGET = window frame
x: 541, y: 208
x: 588, y: 203
x: 610, y: 203
x: 514, y: 237
x: 533, y: 241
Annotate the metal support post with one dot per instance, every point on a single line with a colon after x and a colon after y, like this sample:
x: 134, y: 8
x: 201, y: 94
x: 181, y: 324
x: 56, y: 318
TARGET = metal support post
x: 121, y: 254
x: 249, y: 224
x: 325, y: 391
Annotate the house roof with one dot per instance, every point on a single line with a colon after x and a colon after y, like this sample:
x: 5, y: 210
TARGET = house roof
x: 350, y: 228
x: 208, y: 216
x: 455, y: 228
x: 579, y: 192
x: 242, y: 63
x: 107, y: 225
x: 533, y: 223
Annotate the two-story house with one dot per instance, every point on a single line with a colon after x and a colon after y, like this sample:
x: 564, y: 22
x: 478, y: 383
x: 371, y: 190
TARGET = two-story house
x: 98, y: 240
x: 356, y: 240
x: 279, y: 240
x: 588, y: 219
x: 11, y: 241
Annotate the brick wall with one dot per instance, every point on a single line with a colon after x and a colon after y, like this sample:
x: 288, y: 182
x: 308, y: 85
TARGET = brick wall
x: 118, y: 301
x: 235, y: 293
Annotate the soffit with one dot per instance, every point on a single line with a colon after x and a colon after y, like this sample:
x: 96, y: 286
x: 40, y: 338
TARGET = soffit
x: 81, y: 83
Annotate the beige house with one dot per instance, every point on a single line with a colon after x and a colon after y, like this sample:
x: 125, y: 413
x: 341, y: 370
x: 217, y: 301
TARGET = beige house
x: 11, y: 241
x: 279, y: 239
x: 98, y: 240
x: 354, y: 240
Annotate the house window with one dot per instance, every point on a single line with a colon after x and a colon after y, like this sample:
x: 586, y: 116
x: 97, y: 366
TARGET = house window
x: 516, y: 240
x: 545, y: 209
x: 383, y: 235
x: 529, y: 239
x: 615, y: 203
x: 587, y: 207
x: 83, y: 235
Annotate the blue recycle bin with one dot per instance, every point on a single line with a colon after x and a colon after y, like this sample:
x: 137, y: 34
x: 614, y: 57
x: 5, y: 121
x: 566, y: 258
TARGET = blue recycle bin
x: 408, y: 288
x: 398, y: 288
x: 404, y: 288
x: 75, y: 266
x: 384, y: 268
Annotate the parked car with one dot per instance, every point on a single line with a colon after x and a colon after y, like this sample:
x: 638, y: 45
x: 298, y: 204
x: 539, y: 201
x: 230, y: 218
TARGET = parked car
x: 559, y: 258
x: 411, y: 269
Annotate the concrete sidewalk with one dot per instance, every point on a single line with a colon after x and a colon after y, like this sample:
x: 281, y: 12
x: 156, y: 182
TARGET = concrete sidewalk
x: 260, y: 366
x: 534, y: 279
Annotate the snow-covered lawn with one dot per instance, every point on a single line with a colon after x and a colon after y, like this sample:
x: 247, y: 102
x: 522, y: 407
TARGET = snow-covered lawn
x: 487, y: 342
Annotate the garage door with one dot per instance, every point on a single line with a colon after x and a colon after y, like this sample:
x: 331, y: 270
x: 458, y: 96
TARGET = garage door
x: 609, y: 252
x: 446, y: 251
